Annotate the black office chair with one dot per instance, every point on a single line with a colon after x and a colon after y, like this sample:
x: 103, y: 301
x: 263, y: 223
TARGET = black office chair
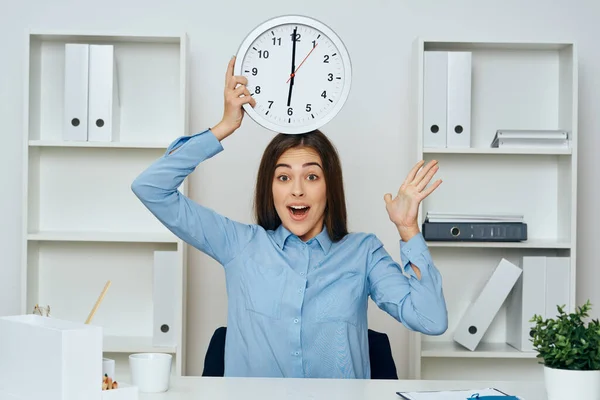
x: 380, y: 355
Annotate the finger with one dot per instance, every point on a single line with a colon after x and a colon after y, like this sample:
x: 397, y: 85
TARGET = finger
x: 387, y: 198
x: 424, y: 171
x: 236, y: 80
x: 427, y: 178
x: 229, y: 72
x: 431, y: 188
x: 240, y: 90
x: 413, y: 172
x: 246, y: 98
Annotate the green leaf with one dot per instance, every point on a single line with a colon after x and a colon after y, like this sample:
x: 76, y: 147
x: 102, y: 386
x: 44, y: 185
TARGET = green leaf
x: 566, y: 341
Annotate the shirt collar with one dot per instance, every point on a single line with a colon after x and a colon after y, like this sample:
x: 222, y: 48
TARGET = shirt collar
x: 281, y: 234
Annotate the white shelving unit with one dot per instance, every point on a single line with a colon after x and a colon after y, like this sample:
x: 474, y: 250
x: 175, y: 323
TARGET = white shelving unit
x: 82, y: 224
x: 514, y: 86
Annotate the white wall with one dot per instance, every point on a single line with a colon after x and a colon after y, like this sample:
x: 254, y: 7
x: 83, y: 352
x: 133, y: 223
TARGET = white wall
x: 372, y: 131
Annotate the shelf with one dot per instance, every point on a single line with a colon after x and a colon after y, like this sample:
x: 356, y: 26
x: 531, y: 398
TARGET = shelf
x: 514, y: 86
x: 528, y: 244
x: 497, y: 151
x: 539, y: 188
x: 83, y: 225
x: 133, y: 344
x: 151, y: 71
x: 69, y: 275
x: 123, y: 145
x: 88, y: 189
x: 484, y: 350
x: 116, y: 237
x: 90, y: 36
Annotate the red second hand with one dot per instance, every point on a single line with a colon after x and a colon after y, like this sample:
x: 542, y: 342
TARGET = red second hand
x: 294, y: 73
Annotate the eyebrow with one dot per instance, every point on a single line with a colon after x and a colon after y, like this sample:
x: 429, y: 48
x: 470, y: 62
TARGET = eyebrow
x: 308, y: 164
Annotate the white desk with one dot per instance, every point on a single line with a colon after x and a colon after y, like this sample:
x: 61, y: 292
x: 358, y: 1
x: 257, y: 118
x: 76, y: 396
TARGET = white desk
x: 204, y: 388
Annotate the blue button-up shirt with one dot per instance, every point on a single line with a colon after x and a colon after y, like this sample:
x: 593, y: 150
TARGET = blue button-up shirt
x: 295, y: 309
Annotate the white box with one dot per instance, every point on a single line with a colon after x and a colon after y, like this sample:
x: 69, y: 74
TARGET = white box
x: 50, y: 359
x: 459, y: 99
x: 104, y: 104
x: 480, y: 314
x: 435, y: 87
x: 75, y: 113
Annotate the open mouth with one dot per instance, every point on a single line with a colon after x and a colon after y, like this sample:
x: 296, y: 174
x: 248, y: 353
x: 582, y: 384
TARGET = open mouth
x: 298, y: 212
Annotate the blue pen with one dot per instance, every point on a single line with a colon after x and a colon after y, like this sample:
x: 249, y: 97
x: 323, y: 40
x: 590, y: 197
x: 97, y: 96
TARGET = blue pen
x: 476, y: 396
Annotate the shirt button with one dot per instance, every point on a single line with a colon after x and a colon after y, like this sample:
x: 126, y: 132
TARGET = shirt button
x: 296, y: 353
x: 302, y: 273
x: 296, y: 320
x: 299, y: 290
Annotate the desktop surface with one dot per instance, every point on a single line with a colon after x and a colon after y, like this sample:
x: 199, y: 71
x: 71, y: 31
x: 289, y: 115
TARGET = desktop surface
x: 188, y: 388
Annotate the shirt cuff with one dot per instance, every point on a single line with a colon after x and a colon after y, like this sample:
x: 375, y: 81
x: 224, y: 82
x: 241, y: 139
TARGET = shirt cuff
x: 413, y: 252
x: 210, y: 144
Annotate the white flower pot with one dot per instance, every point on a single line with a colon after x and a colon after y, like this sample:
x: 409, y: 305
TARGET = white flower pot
x: 569, y: 384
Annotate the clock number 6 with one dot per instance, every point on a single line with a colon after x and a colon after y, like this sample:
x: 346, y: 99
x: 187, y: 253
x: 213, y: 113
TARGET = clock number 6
x: 290, y: 111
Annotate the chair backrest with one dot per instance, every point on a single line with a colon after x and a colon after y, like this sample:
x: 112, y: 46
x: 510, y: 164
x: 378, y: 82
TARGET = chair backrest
x: 380, y: 355
x: 214, y: 362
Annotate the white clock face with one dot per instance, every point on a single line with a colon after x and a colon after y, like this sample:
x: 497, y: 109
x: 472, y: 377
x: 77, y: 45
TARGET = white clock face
x: 298, y: 72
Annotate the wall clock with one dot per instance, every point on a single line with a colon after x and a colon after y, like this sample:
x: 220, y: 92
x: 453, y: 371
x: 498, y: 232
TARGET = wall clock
x: 299, y: 72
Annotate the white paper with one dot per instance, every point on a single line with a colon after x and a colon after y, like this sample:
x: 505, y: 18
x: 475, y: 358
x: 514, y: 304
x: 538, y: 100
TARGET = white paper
x: 452, y: 394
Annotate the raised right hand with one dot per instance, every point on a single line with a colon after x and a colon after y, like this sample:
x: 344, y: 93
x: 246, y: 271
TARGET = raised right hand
x: 236, y: 94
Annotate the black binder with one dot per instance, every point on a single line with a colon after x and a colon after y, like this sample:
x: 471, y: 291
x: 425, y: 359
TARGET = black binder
x: 475, y: 232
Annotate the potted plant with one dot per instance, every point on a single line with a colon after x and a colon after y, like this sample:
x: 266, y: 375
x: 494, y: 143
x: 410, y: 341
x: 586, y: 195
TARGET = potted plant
x: 569, y: 349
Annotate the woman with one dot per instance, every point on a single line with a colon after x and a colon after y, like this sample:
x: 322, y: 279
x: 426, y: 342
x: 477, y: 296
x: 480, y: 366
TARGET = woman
x: 297, y: 282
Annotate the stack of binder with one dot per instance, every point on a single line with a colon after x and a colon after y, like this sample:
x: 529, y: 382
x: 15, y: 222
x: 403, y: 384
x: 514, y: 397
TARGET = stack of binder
x: 447, y: 87
x: 510, y: 138
x: 500, y: 227
x: 91, y: 94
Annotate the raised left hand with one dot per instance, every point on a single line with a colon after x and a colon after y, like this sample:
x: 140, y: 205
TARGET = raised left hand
x: 404, y: 208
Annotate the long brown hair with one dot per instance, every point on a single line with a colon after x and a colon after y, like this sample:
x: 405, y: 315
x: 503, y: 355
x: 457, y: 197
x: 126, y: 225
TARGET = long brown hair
x: 335, y: 210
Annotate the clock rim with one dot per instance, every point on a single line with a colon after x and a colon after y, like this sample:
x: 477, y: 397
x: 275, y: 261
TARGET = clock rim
x: 335, y: 39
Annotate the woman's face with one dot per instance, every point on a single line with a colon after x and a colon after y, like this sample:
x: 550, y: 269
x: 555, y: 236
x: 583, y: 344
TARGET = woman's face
x: 299, y: 192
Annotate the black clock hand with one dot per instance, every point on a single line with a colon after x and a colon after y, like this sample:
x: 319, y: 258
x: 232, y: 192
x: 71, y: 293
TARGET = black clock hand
x: 293, y: 67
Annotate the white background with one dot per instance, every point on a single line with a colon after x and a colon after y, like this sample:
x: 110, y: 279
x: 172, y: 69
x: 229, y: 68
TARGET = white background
x: 371, y: 132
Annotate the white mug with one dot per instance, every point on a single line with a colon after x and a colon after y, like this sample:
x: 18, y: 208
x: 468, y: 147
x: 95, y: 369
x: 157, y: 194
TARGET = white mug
x: 108, y: 368
x: 150, y: 372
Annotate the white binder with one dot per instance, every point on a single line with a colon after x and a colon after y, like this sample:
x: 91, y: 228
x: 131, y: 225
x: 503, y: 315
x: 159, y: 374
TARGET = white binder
x: 104, y: 104
x: 75, y: 106
x: 166, y: 296
x: 459, y: 99
x: 480, y: 314
x: 527, y: 299
x: 435, y: 86
x: 558, y: 279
